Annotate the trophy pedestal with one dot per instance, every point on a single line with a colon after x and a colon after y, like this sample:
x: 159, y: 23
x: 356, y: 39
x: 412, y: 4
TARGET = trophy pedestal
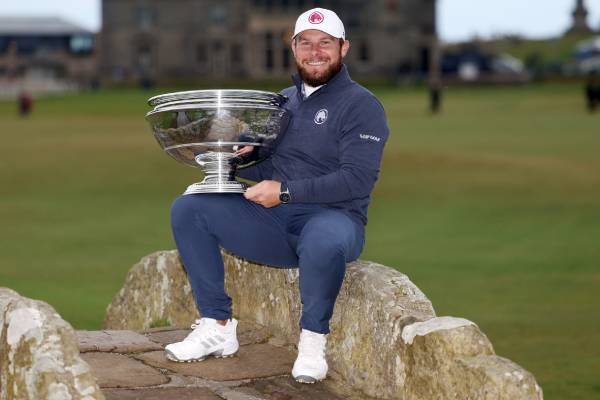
x: 220, y: 174
x: 216, y: 187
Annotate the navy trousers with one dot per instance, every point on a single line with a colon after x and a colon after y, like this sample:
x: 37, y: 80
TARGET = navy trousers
x: 318, y: 240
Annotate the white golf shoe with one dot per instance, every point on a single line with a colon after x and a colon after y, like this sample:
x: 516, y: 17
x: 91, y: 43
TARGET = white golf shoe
x: 208, y: 338
x: 310, y: 366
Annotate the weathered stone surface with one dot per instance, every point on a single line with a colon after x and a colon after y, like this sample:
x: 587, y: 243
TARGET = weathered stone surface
x: 156, y: 291
x: 248, y: 333
x: 252, y: 361
x: 119, y: 371
x: 371, y: 295
x: 39, y: 358
x: 287, y: 388
x: 160, y: 394
x: 376, y: 303
x: 450, y: 358
x: 385, y: 339
x: 167, y: 337
x: 497, y: 378
x: 115, y: 341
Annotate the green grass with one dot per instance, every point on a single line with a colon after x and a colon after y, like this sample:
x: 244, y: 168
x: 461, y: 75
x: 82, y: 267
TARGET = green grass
x: 492, y: 208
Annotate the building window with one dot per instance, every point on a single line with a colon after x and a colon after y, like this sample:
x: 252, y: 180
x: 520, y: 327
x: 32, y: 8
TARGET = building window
x: 363, y: 52
x: 117, y: 74
x: 269, y: 56
x: 392, y: 6
x: 4, y: 42
x: 269, y: 5
x: 428, y: 28
x: 201, y: 53
x: 286, y: 53
x: 144, y: 59
x: 144, y: 18
x: 27, y: 45
x: 237, y: 56
x: 59, y: 43
x: 218, y: 15
x: 217, y: 46
x: 81, y: 44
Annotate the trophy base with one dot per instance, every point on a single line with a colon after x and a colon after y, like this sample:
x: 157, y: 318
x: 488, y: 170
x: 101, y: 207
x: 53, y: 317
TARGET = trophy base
x: 216, y: 187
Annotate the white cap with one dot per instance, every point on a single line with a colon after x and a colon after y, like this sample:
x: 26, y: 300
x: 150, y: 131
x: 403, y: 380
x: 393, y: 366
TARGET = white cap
x: 321, y: 19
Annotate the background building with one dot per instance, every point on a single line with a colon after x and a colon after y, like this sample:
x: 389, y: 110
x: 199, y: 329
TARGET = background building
x: 180, y: 39
x: 44, y: 51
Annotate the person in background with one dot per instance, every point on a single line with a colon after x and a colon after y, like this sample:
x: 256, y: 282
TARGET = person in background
x: 592, y: 90
x: 25, y: 102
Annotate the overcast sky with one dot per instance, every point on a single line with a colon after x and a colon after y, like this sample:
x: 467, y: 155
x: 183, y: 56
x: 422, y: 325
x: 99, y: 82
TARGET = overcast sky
x: 457, y: 19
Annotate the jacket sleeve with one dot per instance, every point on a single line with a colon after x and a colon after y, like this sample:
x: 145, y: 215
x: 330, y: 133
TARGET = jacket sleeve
x: 363, y: 135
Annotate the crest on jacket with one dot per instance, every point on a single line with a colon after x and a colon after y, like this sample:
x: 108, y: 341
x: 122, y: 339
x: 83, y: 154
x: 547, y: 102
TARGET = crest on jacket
x: 321, y: 116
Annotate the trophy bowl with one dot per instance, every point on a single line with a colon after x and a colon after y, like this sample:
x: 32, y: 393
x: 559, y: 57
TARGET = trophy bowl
x: 218, y: 131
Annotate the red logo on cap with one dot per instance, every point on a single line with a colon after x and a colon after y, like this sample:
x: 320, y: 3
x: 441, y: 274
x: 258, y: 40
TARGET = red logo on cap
x: 316, y: 18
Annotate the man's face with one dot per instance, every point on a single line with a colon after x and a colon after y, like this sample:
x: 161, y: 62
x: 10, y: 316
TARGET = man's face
x: 318, y: 56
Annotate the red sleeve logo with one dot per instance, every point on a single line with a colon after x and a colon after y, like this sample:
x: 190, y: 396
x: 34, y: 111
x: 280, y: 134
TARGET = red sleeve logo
x: 316, y: 18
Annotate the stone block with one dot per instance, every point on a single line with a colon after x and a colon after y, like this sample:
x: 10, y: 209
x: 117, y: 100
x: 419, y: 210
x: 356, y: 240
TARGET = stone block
x: 160, y: 394
x: 39, y: 357
x: 156, y: 290
x: 450, y: 358
x: 251, y: 362
x: 496, y: 378
x: 287, y: 388
x: 119, y: 371
x: 115, y: 341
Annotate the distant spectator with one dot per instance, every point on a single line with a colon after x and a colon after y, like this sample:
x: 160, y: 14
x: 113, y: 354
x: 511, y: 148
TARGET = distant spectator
x: 95, y: 84
x: 25, y: 103
x: 592, y: 90
x: 435, y: 99
x: 146, y: 83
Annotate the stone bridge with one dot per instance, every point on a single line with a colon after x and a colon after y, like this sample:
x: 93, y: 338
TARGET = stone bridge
x: 386, y: 343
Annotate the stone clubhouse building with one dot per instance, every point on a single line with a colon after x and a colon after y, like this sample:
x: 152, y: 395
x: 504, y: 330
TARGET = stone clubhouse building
x: 187, y: 39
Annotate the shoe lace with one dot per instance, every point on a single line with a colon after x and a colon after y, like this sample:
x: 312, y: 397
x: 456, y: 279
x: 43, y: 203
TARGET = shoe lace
x: 199, y: 330
x: 197, y: 323
x: 312, y: 345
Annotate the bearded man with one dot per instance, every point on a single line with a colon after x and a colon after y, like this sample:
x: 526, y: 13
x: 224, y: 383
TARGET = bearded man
x: 308, y: 209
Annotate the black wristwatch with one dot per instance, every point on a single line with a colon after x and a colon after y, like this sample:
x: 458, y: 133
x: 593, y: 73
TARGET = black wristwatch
x: 284, y: 194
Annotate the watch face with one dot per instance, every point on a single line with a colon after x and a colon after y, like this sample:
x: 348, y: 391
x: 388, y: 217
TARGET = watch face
x: 284, y: 197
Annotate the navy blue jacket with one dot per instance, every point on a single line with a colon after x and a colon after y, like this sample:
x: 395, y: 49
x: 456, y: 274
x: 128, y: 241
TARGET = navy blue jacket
x: 331, y: 151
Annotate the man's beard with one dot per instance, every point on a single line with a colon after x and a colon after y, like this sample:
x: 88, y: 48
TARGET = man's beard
x: 321, y: 79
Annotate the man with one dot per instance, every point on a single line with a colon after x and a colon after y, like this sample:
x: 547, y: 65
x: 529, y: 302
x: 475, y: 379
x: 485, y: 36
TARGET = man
x: 308, y: 210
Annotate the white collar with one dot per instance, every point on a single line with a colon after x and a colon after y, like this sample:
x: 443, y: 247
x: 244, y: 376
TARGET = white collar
x: 308, y: 90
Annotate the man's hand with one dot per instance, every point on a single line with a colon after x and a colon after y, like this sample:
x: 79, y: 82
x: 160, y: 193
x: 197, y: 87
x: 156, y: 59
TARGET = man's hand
x: 265, y: 193
x: 244, y: 150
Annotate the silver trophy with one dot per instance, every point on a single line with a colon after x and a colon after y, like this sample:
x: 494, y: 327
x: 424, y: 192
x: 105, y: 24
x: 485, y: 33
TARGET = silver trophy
x: 218, y: 131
